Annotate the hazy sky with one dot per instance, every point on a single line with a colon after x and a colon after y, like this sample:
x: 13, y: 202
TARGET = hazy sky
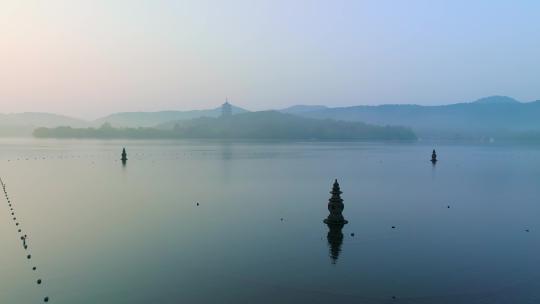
x: 91, y: 57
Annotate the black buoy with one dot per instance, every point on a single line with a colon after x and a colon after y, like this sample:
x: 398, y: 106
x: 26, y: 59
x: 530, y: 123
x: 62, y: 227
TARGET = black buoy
x: 46, y: 299
x: 39, y: 281
x: 34, y: 268
x: 29, y: 256
x: 434, y: 157
x: 393, y: 227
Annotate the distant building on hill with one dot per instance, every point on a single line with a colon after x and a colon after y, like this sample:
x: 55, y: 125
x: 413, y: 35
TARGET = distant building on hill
x: 226, y: 109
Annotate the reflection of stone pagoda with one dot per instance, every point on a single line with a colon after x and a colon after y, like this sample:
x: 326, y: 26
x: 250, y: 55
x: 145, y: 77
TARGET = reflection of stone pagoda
x: 335, y: 206
x: 226, y: 109
x: 434, y: 156
x: 335, y: 240
x: 124, y: 155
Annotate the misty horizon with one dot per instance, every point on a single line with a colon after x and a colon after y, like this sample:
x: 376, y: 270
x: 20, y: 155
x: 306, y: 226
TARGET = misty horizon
x: 269, y: 151
x: 90, y: 58
x: 218, y: 105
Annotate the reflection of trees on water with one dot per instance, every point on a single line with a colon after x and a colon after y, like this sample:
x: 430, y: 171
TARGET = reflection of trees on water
x: 226, y: 151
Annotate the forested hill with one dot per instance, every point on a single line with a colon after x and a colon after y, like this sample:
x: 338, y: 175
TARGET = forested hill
x: 251, y: 125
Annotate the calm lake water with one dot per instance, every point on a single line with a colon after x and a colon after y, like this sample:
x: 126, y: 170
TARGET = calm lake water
x: 100, y: 232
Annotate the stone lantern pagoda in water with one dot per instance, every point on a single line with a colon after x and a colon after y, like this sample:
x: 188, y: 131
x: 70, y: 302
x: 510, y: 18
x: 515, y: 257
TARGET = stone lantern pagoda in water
x: 335, y: 206
x: 335, y: 222
x: 124, y: 155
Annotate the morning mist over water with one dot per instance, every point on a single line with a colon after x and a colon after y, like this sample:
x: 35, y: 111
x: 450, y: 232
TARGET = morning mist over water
x: 269, y: 152
x: 182, y: 217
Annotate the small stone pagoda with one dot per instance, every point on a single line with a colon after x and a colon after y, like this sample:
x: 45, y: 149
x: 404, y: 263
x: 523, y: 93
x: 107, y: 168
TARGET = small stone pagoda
x: 434, y: 156
x: 124, y: 155
x: 335, y: 206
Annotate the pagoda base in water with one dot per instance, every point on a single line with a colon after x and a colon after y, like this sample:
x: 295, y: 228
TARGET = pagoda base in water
x: 335, y: 222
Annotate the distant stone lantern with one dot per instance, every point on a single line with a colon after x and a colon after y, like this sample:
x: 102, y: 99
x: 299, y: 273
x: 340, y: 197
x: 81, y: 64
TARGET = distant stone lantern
x: 335, y: 206
x: 434, y: 156
x: 124, y: 155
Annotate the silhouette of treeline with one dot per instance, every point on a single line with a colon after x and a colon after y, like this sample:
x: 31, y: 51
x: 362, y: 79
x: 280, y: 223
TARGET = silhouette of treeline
x: 527, y: 136
x: 251, y: 125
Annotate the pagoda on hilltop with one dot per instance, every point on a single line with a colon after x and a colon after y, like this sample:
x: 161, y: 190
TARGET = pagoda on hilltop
x: 226, y: 109
x: 335, y: 206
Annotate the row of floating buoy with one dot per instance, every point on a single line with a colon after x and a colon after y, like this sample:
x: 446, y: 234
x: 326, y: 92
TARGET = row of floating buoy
x: 23, y: 237
x: 175, y: 155
x: 124, y: 156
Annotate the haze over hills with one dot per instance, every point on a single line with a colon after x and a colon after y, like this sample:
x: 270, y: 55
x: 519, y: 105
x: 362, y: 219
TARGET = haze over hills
x: 496, y: 100
x: 277, y: 125
x: 249, y: 125
x: 299, y: 109
x: 22, y: 124
x: 151, y: 119
x: 495, y: 116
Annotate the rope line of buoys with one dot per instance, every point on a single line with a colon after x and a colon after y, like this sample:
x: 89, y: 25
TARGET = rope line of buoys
x: 23, y: 237
x: 112, y: 156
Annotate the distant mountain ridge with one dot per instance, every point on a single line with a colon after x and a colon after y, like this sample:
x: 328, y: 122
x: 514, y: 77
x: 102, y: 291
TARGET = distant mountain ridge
x: 38, y: 119
x: 22, y: 124
x: 496, y: 100
x: 298, y: 109
x: 487, y: 117
x: 151, y: 119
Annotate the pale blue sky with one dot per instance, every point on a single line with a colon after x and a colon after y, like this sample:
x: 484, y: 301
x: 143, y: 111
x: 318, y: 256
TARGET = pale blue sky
x: 91, y: 57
